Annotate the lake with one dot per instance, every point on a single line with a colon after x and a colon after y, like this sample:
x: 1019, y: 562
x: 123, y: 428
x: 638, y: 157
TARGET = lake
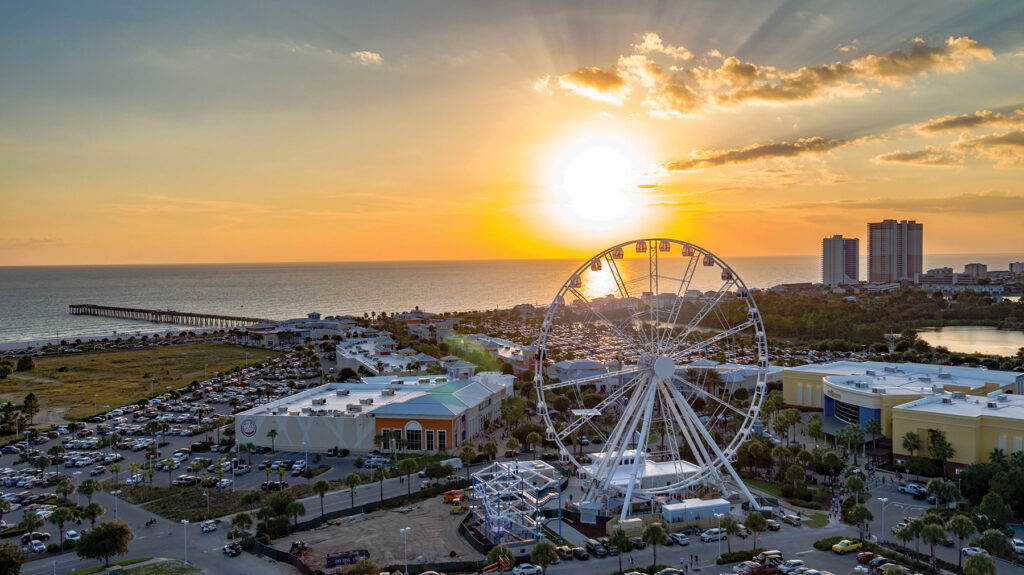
x: 969, y: 339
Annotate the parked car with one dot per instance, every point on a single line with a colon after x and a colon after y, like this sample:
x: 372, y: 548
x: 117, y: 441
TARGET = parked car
x: 791, y: 565
x: 595, y: 548
x: 72, y: 536
x: 580, y: 553
x: 865, y: 556
x: 680, y: 539
x: 564, y: 552
x: 37, y: 547
x: 714, y: 534
x: 773, y: 525
x: 968, y: 551
x: 208, y: 526
x: 34, y: 536
x: 792, y: 520
x: 232, y: 549
x: 638, y: 543
x: 526, y: 569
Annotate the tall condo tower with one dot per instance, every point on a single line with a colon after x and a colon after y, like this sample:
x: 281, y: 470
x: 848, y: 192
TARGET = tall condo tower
x: 895, y: 250
x: 840, y: 261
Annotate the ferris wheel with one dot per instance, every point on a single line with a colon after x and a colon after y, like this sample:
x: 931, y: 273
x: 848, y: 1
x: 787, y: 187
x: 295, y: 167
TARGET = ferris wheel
x: 636, y: 395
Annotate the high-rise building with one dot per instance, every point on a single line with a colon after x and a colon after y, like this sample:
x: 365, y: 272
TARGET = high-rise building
x: 840, y: 261
x: 895, y: 250
x: 1017, y: 267
x: 976, y: 270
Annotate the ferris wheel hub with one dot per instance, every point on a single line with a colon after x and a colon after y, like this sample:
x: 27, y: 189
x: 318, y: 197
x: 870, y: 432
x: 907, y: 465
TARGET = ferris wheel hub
x: 664, y: 368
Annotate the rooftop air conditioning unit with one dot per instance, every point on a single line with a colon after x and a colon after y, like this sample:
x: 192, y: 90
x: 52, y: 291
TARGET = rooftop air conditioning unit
x: 282, y: 409
x: 924, y: 378
x: 441, y: 380
x: 306, y: 410
x: 353, y: 407
x: 861, y: 384
x: 342, y: 392
x: 890, y: 369
x: 1004, y: 397
x: 945, y: 376
x: 870, y: 372
x: 937, y: 389
x: 877, y: 390
x: 319, y: 401
x: 423, y: 380
x: 993, y: 404
x: 959, y: 395
x: 947, y: 400
x: 366, y: 401
x: 387, y: 392
x: 397, y: 382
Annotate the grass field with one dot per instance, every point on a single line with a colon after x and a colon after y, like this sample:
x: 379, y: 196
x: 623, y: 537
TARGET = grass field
x: 817, y: 520
x: 66, y: 385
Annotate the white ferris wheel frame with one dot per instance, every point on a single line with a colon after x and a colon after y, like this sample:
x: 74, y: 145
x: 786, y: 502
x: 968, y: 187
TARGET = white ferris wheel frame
x: 657, y: 343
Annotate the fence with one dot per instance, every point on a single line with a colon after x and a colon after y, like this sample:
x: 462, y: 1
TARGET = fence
x: 279, y: 555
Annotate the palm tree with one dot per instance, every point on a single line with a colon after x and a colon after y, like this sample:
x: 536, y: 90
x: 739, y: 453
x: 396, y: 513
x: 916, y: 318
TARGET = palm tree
x: 731, y: 528
x: 272, y: 434
x: 911, y: 442
x: 115, y: 469
x: 904, y: 534
x: 321, y: 488
x: 467, y: 454
x: 915, y: 527
x: 962, y: 527
x: 251, y: 498
x: 544, y: 554
x: 874, y: 427
x: 92, y: 512
x: 87, y: 488
x: 241, y: 521
x: 654, y: 535
x: 622, y: 543
x: 295, y: 508
x: 63, y: 489
x: 379, y: 475
x: 56, y: 451
x: 407, y: 467
x: 352, y: 480
x: 534, y: 439
x: 513, y: 444
x: 490, y: 449
x: 932, y: 534
x: 30, y: 521
x: 980, y: 564
x: 60, y: 516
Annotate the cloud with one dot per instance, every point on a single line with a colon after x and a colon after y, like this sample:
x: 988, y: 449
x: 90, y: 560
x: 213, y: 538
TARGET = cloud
x: 966, y: 203
x: 596, y: 84
x: 19, y: 243
x: 704, y: 159
x: 652, y: 43
x: 927, y: 157
x: 687, y: 88
x: 543, y: 85
x: 367, y: 58
x: 919, y: 58
x: 979, y: 119
x: 1007, y: 149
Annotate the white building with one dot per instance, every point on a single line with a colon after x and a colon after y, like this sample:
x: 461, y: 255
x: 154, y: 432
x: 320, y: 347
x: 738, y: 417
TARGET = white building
x: 840, y: 261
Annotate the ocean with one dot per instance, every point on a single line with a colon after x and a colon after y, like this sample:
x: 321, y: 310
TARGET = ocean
x: 34, y: 300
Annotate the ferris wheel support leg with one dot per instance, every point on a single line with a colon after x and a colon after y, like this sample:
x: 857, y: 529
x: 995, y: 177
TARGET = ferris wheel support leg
x: 743, y: 486
x: 641, y: 446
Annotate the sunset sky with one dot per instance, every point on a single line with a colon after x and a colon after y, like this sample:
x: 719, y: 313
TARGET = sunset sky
x: 335, y: 131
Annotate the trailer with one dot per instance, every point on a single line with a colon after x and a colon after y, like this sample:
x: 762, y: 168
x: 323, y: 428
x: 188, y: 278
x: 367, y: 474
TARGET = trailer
x: 347, y: 557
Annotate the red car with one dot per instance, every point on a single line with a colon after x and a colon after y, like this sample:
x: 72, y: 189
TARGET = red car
x: 865, y: 556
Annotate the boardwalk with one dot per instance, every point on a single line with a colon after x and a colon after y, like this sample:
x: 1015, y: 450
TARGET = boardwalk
x: 165, y: 316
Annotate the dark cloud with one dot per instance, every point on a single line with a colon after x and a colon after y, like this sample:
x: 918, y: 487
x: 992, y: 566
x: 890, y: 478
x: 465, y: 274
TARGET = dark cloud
x: 978, y: 119
x: 703, y: 159
x: 927, y: 157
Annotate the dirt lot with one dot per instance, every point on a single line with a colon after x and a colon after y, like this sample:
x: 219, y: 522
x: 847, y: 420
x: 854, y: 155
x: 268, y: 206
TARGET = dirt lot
x: 433, y: 537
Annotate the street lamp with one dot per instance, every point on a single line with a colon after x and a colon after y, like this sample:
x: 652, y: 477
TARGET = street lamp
x: 305, y: 447
x: 95, y: 410
x: 719, y: 534
x: 78, y: 496
x: 405, y: 544
x: 184, y: 522
x: 115, y: 494
x: 206, y: 494
x: 883, y: 501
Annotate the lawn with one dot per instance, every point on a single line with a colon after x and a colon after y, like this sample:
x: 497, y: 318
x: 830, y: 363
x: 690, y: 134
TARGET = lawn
x: 167, y: 567
x: 125, y: 563
x: 816, y: 520
x: 69, y: 386
x: 769, y: 488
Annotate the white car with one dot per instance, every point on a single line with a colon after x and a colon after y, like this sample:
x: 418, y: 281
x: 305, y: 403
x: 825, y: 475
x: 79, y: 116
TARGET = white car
x: 714, y: 534
x: 208, y: 526
x: 968, y: 551
x: 72, y: 536
x: 526, y: 569
x: 1018, y: 545
x: 791, y: 565
x: 680, y: 539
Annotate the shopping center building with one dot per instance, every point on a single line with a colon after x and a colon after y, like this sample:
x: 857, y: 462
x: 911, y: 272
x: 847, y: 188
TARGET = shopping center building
x: 898, y: 394
x: 428, y: 413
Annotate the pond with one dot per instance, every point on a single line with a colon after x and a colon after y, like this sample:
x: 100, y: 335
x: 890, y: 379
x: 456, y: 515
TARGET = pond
x: 971, y: 338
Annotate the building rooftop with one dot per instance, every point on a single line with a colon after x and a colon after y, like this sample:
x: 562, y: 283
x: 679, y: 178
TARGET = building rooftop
x: 995, y: 404
x: 908, y: 378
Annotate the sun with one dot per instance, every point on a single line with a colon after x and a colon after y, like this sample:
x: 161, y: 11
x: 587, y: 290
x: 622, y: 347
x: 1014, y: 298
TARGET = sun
x: 597, y: 180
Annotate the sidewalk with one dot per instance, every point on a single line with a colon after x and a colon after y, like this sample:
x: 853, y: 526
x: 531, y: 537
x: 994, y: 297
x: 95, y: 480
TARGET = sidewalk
x: 568, y: 533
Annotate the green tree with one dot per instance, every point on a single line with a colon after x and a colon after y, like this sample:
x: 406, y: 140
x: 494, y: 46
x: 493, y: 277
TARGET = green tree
x: 294, y: 510
x: 544, y: 554
x: 490, y: 449
x: 731, y: 527
x: 915, y: 526
x: 30, y: 521
x: 407, y: 467
x: 816, y: 427
x: 59, y: 517
x: 353, y: 480
x: 940, y: 449
x: 994, y: 541
x: 11, y: 559
x: 993, y: 507
x: 242, y: 521
x: 962, y: 527
x: 379, y: 475
x: 874, y: 428
x: 980, y: 564
x: 622, y: 543
x: 363, y: 567
x: 904, y: 534
x: 911, y: 442
x: 111, y: 538
x: 5, y: 507
x: 512, y: 444
x: 272, y: 434
x: 25, y: 363
x: 897, y: 570
x: 534, y: 439
x: 467, y: 454
x: 654, y: 535
x: 249, y: 499
x: 794, y: 473
x: 321, y: 488
x: 30, y: 407
x: 92, y: 512
x: 756, y: 523
x: 495, y: 555
x: 932, y: 534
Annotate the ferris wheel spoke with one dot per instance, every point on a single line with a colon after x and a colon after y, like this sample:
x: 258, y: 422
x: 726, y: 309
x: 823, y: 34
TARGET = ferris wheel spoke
x: 705, y: 394
x: 708, y: 439
x: 591, y: 379
x: 641, y: 448
x: 618, y: 441
x: 700, y: 454
x: 620, y: 284
x: 626, y: 339
x: 612, y: 398
x: 695, y: 321
x: 653, y: 284
x: 706, y: 343
x: 677, y: 305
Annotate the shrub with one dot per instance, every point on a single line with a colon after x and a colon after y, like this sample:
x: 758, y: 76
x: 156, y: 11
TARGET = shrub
x: 69, y: 544
x: 739, y: 555
x: 53, y: 548
x: 248, y: 542
x: 827, y: 543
